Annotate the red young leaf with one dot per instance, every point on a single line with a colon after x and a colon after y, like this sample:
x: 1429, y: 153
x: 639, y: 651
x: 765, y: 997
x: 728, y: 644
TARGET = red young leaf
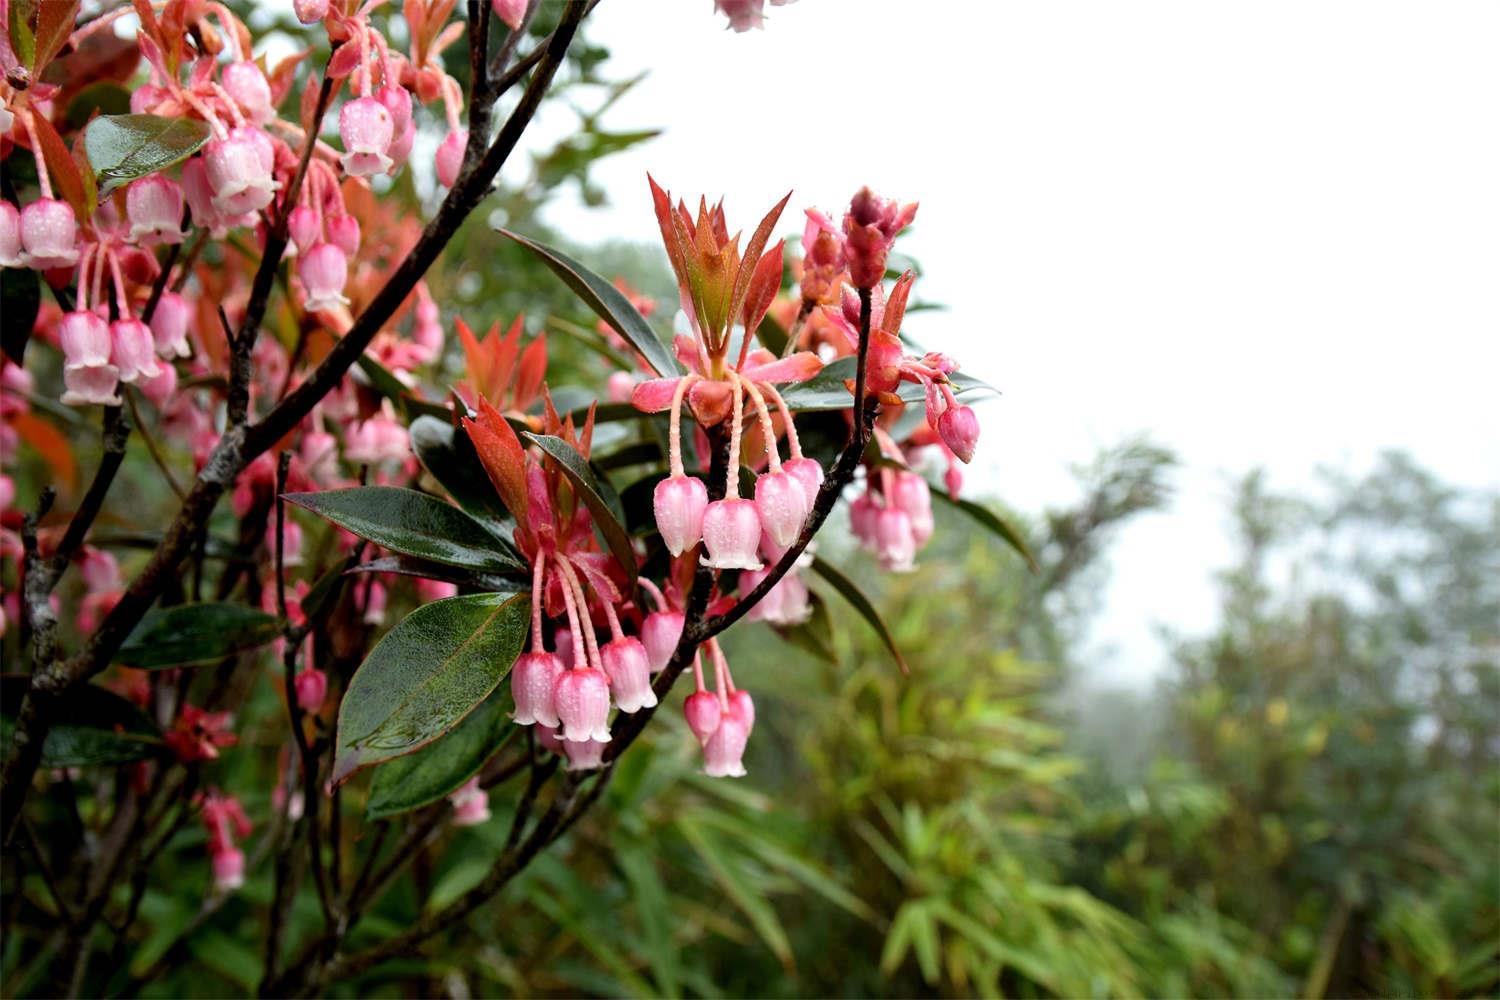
x: 65, y: 175
x: 501, y: 455
x: 54, y: 23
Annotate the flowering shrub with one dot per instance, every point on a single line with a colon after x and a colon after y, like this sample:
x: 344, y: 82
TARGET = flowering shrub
x: 196, y: 259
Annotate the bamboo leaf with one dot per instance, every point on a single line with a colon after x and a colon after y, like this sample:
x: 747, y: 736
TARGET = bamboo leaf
x: 856, y: 597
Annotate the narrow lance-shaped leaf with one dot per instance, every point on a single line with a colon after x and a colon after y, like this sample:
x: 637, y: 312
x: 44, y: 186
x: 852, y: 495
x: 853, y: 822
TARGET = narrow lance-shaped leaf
x: 426, y: 675
x: 856, y: 597
x: 827, y: 391
x: 423, y: 777
x: 414, y: 524
x: 607, y: 302
x: 99, y: 728
x: 602, y: 501
x: 124, y: 147
x: 991, y: 521
x: 196, y: 633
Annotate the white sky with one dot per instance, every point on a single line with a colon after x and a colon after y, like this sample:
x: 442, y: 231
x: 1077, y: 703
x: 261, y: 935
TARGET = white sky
x: 1268, y: 233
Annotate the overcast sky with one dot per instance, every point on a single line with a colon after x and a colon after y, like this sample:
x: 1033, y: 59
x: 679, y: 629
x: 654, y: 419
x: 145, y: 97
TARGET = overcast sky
x: 1268, y: 233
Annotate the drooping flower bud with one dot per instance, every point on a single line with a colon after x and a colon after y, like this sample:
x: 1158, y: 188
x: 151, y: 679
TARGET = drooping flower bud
x: 324, y: 270
x: 960, y: 431
x: 133, y: 350
x: 160, y: 389
x: 863, y: 513
x: 10, y: 236
x: 366, y: 128
x: 238, y: 169
x: 910, y: 493
x: 679, y: 504
x: 471, y: 804
x: 379, y: 439
x: 396, y: 100
x: 310, y: 11
x: 582, y: 699
x: 343, y: 232
x: 809, y: 474
x: 743, y: 14
x: 248, y: 86
x: 660, y: 633
x: 229, y: 869
x: 450, y: 157
x: 731, y: 534
x: 953, y: 479
x: 740, y: 701
x: 895, y: 541
x: 49, y: 234
x: 701, y: 709
x: 723, y: 751
x: 400, y: 148
x: 786, y: 603
x: 154, y: 205
x: 311, y: 689
x: 302, y: 227
x: 629, y: 670
x: 169, y: 326
x: 822, y: 259
x: 781, y: 503
x: 870, y: 229
x: 510, y: 12
x: 620, y: 386
x: 533, y: 683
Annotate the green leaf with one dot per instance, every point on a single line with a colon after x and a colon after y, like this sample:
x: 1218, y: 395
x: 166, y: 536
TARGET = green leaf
x: 826, y: 390
x: 443, y: 765
x: 654, y: 911
x: 196, y: 633
x: 414, y: 524
x: 105, y: 97
x: 427, y: 674
x: 736, y: 885
x: 861, y: 603
x: 450, y: 457
x: 990, y: 521
x: 22, y: 38
x: 607, y: 302
x: 123, y: 147
x: 22, y: 292
x: 596, y: 492
x: 100, y: 728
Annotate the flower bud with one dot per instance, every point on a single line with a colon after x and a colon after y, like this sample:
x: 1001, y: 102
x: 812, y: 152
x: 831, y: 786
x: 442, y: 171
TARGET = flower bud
x: 343, y: 232
x: 154, y: 206
x: 310, y: 11
x: 863, y: 513
x: 160, y: 388
x: 620, y: 386
x: 781, y: 504
x: 910, y: 493
x: 400, y: 148
x: 731, y: 534
x: 895, y: 540
x: 311, y: 689
x: 324, y: 270
x: 366, y: 128
x: 133, y: 351
x: 660, y: 633
x: 808, y: 473
x: 450, y: 157
x: 679, y: 504
x: 302, y: 227
x: 49, y: 234
x: 960, y: 431
x: 702, y: 711
x: 10, y: 236
x: 743, y: 14
x: 953, y: 479
x: 533, y: 682
x: 169, y: 326
x: 740, y: 702
x: 471, y: 804
x: 582, y: 699
x: 628, y: 668
x: 396, y: 100
x: 229, y: 869
x: 248, y: 86
x: 870, y: 229
x: 510, y: 12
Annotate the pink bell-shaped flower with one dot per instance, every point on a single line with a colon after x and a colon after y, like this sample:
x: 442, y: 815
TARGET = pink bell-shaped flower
x: 786, y: 603
x: 679, y: 503
x: 808, y: 473
x: 731, y: 533
x: 238, y: 169
x: 723, y: 751
x: 133, y: 350
x: 324, y: 270
x: 740, y: 701
x: 49, y: 234
x: 87, y: 384
x: 450, y: 156
x: 585, y: 756
x: 863, y: 513
x: 302, y: 227
x: 396, y: 100
x: 910, y: 493
x: 310, y: 11
x: 160, y: 389
x: 960, y: 431
x: 377, y: 440
x: 533, y: 683
x: 312, y: 689
x: 895, y: 541
x: 471, y: 804
x: 400, y: 148
x: 660, y: 633
x: 781, y: 503
x: 629, y: 670
x: 10, y: 236
x: 702, y: 711
x: 84, y: 338
x: 953, y: 479
x: 343, y: 232
x: 582, y: 699
x: 229, y: 868
x: 247, y: 85
x: 367, y: 129
x: 169, y: 326
x: 154, y: 206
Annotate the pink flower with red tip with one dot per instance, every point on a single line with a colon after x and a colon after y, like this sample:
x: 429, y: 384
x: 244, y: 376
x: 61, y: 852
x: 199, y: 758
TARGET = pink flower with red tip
x: 311, y: 689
